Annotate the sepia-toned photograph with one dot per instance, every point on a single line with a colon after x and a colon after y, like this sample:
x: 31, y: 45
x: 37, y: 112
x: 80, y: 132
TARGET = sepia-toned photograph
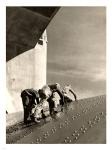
x: 56, y: 75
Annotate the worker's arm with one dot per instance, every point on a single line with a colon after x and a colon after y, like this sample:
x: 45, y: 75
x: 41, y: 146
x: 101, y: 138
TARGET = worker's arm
x: 61, y: 96
x: 73, y: 94
x: 37, y: 100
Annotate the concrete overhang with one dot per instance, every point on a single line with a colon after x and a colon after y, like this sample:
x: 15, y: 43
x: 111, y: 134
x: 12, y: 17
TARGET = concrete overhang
x: 24, y: 27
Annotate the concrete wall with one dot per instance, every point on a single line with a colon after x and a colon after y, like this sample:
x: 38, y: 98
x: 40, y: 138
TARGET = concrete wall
x: 27, y: 70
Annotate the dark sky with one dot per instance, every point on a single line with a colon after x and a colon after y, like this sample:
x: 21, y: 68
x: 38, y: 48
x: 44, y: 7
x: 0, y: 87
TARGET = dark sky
x: 77, y: 49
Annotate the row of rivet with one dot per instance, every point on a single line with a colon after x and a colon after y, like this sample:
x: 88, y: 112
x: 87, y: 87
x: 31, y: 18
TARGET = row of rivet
x: 66, y: 123
x: 73, y: 117
x: 83, y: 111
x: 82, y: 129
x: 77, y: 133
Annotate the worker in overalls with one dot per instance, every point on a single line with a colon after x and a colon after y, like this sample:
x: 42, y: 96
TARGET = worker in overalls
x: 30, y: 98
x: 56, y: 98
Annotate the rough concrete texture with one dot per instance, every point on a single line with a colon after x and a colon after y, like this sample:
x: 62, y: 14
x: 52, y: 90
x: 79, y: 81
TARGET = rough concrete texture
x: 80, y: 122
x: 27, y: 70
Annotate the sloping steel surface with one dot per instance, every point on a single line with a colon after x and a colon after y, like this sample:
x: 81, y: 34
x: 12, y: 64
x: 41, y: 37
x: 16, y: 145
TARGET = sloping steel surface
x: 24, y: 27
x: 79, y: 122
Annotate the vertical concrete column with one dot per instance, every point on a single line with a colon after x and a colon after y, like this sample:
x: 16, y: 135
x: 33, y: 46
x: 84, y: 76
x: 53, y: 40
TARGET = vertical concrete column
x: 41, y: 62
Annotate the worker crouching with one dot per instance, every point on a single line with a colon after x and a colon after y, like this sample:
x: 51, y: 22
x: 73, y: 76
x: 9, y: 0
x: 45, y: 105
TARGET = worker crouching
x: 30, y: 98
x: 48, y: 100
x: 40, y: 111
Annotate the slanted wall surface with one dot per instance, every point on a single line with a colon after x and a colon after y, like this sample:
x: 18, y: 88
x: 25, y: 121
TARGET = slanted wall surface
x: 27, y: 70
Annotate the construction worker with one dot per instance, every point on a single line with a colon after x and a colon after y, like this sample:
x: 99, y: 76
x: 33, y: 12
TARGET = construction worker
x: 57, y: 101
x: 67, y: 89
x: 56, y: 88
x: 41, y: 110
x: 49, y: 92
x: 30, y: 98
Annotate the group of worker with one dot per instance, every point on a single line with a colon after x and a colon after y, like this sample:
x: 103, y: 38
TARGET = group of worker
x: 44, y: 102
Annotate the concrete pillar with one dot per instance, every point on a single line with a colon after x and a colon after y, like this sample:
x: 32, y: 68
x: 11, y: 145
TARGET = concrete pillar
x: 41, y: 62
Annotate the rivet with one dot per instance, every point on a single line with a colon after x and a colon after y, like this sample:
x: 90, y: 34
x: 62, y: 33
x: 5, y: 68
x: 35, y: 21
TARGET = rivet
x: 55, y: 130
x: 89, y: 122
x: 47, y: 133
x: 75, y: 131
x: 91, y: 125
x: 73, y: 134
x: 95, y: 119
x: 94, y: 122
x: 78, y: 134
x: 66, y: 121
x: 96, y: 116
x: 37, y: 140
x: 98, y: 119
x: 101, y: 113
x: 75, y: 138
x: 70, y: 141
x: 83, y: 131
x: 73, y: 117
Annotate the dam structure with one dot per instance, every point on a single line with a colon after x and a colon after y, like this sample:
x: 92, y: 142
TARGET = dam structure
x: 79, y: 122
x: 26, y: 51
x: 26, y: 71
